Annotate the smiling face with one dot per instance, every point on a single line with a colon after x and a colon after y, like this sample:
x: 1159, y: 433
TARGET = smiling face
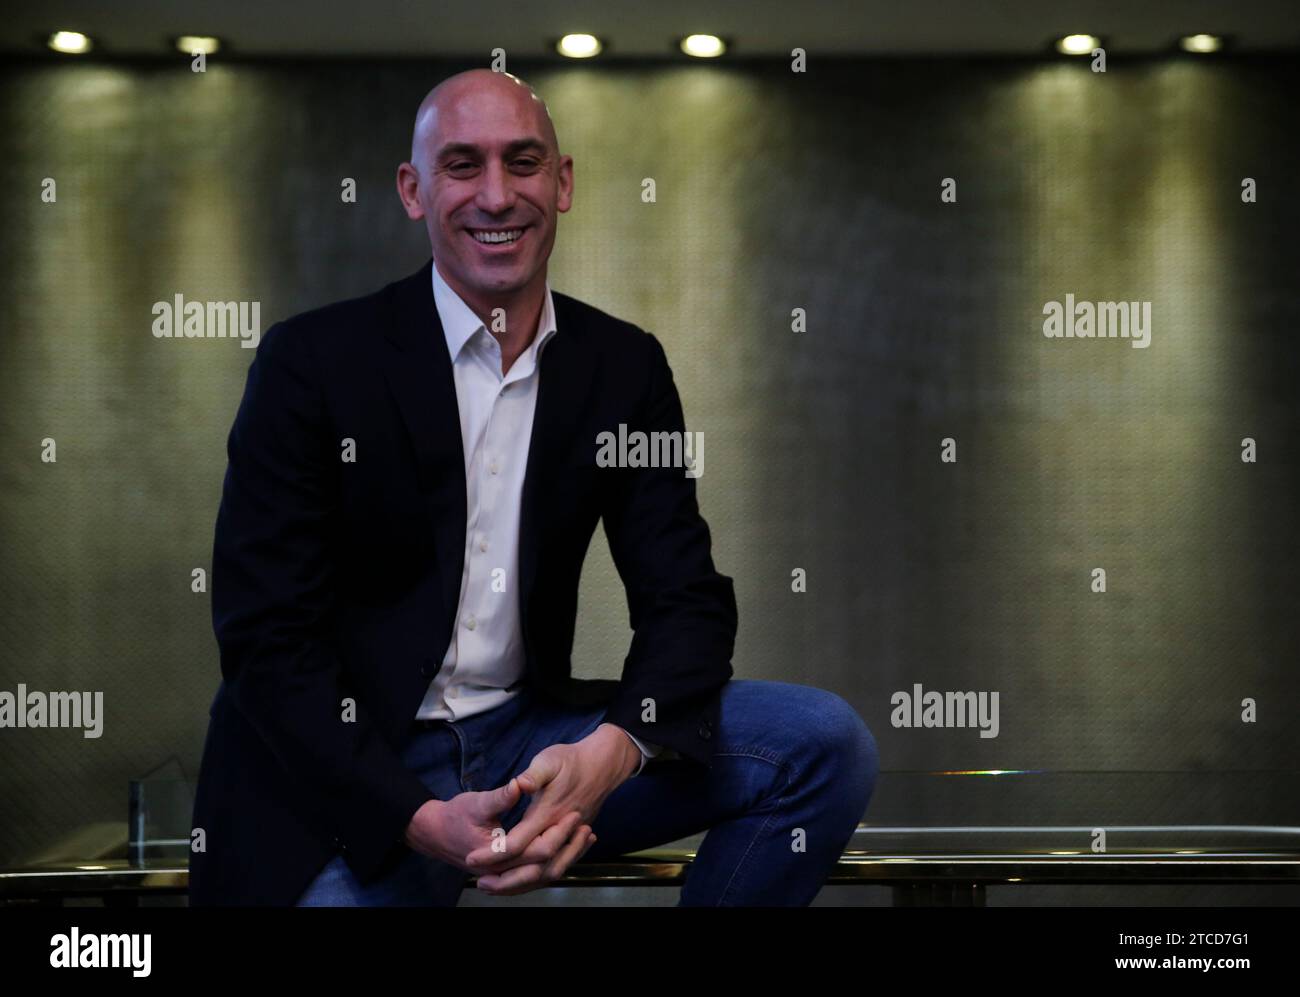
x: 487, y: 177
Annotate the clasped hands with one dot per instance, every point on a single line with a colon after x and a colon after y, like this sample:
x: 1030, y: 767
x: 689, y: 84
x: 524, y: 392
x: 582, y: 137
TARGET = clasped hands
x: 568, y: 784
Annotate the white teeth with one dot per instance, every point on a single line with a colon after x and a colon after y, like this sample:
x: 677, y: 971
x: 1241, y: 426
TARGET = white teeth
x: 497, y: 237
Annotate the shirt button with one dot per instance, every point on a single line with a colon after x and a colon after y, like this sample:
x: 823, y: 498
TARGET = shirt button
x: 453, y: 692
x: 471, y: 623
x: 482, y: 544
x: 493, y: 467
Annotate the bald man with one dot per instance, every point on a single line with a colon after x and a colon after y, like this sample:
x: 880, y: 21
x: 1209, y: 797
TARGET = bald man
x: 414, y: 478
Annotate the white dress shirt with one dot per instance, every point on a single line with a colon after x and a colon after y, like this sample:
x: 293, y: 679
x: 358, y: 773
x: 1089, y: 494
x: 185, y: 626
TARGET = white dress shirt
x: 485, y: 659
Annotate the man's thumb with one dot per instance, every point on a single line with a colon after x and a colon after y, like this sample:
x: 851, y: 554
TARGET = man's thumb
x: 504, y: 797
x: 542, y: 769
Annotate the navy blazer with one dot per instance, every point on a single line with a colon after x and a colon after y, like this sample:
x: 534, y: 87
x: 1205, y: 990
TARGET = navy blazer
x: 334, y: 579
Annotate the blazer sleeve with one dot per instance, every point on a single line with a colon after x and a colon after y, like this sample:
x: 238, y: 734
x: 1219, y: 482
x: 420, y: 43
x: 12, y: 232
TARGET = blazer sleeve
x: 273, y: 595
x: 683, y: 612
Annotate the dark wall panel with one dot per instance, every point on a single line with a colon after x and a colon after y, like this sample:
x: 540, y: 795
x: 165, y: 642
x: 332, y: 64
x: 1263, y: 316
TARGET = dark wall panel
x: 775, y: 191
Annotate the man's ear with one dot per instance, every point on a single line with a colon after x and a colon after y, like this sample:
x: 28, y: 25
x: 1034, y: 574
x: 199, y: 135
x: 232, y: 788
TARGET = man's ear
x: 408, y: 189
x: 564, y: 199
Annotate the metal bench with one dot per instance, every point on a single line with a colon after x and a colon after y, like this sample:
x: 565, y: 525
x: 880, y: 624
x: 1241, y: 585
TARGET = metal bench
x: 947, y: 866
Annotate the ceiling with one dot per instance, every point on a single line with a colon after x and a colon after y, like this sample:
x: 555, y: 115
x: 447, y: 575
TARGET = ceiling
x: 647, y: 28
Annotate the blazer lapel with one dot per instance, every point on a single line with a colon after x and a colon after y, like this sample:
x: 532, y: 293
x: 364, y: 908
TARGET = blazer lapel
x: 417, y: 367
x: 567, y: 374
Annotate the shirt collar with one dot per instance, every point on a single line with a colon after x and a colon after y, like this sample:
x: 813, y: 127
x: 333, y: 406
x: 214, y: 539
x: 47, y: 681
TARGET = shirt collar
x: 459, y: 323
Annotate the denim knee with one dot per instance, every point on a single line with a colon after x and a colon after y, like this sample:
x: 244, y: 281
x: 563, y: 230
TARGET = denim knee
x: 851, y: 748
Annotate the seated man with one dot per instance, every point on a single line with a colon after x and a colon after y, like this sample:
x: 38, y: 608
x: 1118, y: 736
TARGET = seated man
x: 413, y: 483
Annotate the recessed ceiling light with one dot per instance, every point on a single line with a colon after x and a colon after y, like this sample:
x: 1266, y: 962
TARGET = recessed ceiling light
x: 70, y: 42
x: 703, y: 46
x: 1078, y: 44
x: 1200, y: 44
x: 196, y: 44
x: 579, y: 46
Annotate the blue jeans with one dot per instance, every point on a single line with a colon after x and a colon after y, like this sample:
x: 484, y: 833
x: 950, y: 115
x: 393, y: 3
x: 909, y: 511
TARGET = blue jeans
x: 793, y: 772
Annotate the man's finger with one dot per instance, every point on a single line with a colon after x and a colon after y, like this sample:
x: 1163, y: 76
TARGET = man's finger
x: 523, y: 877
x: 528, y: 783
x: 531, y: 876
x: 517, y: 880
x: 547, y: 845
x: 541, y: 849
x: 541, y: 770
x: 536, y: 820
x: 559, y: 865
x: 501, y: 799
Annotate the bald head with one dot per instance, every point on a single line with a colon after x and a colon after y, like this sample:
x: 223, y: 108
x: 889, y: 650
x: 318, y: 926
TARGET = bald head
x: 458, y: 95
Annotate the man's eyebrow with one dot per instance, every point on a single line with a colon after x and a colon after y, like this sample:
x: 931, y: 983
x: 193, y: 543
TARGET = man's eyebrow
x: 471, y: 150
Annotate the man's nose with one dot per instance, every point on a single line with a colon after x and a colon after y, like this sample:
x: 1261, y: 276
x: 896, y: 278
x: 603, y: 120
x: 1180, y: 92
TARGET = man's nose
x: 495, y: 193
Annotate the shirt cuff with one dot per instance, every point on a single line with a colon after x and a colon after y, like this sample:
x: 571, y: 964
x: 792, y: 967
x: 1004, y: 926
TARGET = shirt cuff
x: 647, y: 749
